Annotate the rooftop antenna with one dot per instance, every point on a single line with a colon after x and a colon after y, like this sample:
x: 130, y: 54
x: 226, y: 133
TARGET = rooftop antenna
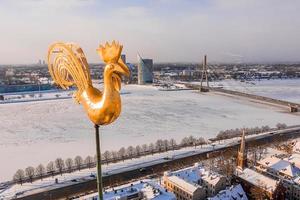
x: 204, y: 73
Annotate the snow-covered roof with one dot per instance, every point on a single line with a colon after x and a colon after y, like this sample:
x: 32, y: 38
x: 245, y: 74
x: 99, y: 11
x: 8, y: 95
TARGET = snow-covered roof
x: 269, y: 161
x: 233, y: 193
x: 195, y: 174
x: 190, y: 174
x: 186, y: 186
x: 273, y: 152
x: 297, y: 180
x: 258, y: 179
x: 190, y: 179
x: 284, y: 166
x: 296, y: 148
x: 295, y: 158
x: 211, y: 178
x: 145, y: 189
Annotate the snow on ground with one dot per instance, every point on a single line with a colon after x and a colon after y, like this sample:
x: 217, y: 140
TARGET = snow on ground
x: 37, y: 132
x: 107, y: 169
x: 234, y: 192
x: 118, y: 167
x: 148, y: 188
x: 284, y: 89
x: 36, y: 96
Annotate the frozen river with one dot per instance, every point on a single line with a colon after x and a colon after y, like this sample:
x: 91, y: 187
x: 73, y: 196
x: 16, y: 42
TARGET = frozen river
x: 37, y: 132
x: 285, y: 89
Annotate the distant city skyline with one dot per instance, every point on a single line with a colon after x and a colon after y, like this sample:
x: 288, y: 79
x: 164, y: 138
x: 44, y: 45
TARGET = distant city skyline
x: 235, y: 31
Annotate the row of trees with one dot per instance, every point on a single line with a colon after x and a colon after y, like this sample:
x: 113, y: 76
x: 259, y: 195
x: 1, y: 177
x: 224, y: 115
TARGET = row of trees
x: 232, y: 133
x: 53, y: 167
x: 60, y: 166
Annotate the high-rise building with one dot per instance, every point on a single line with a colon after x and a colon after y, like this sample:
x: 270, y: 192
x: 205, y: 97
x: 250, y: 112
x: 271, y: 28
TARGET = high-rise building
x: 145, y: 70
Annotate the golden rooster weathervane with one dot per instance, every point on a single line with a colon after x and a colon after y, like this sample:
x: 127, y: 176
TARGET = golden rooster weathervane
x: 68, y: 66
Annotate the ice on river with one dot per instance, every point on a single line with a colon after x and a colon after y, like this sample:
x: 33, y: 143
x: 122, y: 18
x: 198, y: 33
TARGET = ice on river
x: 37, y: 132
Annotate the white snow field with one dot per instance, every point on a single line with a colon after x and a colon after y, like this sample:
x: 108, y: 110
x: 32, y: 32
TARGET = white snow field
x: 112, y: 168
x: 284, y: 89
x: 38, y: 132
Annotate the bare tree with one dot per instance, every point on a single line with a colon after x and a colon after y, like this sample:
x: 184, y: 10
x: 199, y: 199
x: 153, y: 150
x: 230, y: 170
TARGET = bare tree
x: 172, y: 143
x: 50, y: 168
x: 122, y: 153
x: 138, y: 150
x: 144, y: 148
x: 40, y: 171
x: 69, y: 164
x: 260, y: 151
x: 201, y: 141
x: 192, y: 140
x: 89, y: 161
x: 95, y: 158
x: 130, y: 151
x: 114, y: 155
x: 60, y: 165
x: 19, y: 176
x: 159, y: 145
x: 106, y: 156
x: 78, y: 162
x: 184, y: 142
x: 256, y: 130
x: 265, y: 128
x: 281, y: 125
x: 166, y: 145
x: 151, y: 148
x: 29, y: 171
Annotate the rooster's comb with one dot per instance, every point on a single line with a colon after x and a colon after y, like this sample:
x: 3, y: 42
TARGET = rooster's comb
x: 110, y: 53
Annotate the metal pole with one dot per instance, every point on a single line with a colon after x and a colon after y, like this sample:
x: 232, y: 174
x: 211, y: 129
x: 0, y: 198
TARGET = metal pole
x: 99, y: 172
x: 202, y: 75
x: 205, y: 64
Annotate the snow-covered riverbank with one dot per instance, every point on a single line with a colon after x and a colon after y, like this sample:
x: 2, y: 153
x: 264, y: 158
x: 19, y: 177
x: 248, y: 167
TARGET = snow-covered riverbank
x: 283, y: 89
x: 37, y: 132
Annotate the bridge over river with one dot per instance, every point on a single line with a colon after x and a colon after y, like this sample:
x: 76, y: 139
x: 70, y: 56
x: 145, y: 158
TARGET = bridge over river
x: 293, y: 107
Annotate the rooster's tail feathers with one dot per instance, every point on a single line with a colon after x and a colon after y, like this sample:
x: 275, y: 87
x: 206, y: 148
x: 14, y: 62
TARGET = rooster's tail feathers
x: 68, y: 66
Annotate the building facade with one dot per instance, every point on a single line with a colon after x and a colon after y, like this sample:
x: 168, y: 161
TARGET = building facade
x: 139, y: 190
x: 235, y: 192
x: 194, y: 183
x: 256, y: 184
x: 145, y: 70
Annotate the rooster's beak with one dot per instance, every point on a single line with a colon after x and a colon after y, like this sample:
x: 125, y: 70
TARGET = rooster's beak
x: 122, y: 68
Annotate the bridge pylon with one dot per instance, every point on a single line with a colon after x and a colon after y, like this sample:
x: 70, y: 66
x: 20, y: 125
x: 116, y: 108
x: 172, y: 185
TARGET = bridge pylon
x: 204, y: 73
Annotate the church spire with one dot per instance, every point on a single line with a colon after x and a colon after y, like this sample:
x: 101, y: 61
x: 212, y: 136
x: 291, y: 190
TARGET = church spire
x: 242, y: 155
x: 242, y: 148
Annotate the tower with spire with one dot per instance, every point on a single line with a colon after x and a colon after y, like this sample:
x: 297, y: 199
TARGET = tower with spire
x: 242, y: 155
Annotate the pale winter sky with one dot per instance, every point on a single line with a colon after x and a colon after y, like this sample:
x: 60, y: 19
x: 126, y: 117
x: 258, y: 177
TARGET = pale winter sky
x: 165, y: 30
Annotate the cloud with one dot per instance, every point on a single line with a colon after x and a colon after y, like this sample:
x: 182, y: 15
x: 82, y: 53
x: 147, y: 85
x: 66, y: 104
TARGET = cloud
x: 163, y: 30
x: 131, y: 11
